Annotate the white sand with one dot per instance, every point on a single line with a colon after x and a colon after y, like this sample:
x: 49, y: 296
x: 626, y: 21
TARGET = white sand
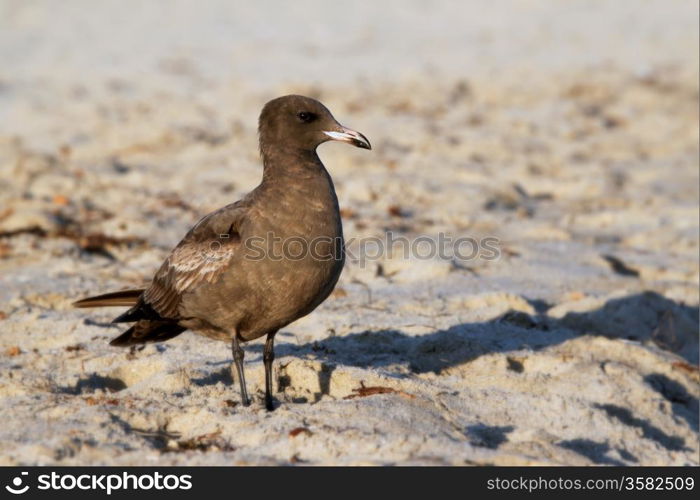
x: 129, y: 122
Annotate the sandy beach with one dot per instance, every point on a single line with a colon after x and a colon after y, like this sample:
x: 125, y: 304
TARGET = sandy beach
x: 566, y: 131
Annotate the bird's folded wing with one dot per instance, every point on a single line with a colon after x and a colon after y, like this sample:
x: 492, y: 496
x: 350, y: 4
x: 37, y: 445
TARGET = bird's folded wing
x: 202, y: 255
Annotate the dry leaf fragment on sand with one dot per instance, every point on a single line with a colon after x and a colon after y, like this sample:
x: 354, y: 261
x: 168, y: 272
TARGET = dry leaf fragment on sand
x: 363, y: 392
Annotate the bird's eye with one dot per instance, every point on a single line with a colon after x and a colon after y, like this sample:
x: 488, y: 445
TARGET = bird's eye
x: 306, y: 117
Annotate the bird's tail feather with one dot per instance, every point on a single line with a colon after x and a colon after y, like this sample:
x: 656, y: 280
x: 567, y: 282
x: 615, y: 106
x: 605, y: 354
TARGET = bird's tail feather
x: 123, y: 298
x: 149, y: 326
x: 145, y: 331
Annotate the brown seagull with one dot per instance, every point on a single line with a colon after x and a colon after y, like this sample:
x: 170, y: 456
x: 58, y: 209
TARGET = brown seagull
x: 256, y: 265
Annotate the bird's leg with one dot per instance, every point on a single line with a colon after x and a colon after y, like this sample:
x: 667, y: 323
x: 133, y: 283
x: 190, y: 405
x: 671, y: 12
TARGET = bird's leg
x: 238, y: 355
x: 268, y: 358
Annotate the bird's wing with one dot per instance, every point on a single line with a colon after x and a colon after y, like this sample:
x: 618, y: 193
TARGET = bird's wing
x: 202, y: 255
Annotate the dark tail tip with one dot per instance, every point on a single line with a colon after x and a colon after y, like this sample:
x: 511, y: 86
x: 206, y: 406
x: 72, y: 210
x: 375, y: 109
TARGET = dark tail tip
x: 124, y: 340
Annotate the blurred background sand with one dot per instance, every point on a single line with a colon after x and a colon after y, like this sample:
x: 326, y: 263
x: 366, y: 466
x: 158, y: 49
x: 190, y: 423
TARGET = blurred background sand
x: 567, y: 130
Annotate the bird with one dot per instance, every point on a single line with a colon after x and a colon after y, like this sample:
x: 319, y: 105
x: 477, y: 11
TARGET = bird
x: 256, y: 265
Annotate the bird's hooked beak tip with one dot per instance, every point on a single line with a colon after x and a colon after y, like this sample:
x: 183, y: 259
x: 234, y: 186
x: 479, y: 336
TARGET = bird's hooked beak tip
x: 350, y: 136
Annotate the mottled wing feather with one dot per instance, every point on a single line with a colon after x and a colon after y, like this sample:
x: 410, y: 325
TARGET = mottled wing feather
x: 202, y: 255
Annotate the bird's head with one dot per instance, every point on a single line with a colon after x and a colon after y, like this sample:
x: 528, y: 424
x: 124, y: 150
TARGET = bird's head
x: 303, y: 123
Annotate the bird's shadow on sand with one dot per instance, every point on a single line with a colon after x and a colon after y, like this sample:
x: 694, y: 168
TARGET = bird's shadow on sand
x: 640, y: 317
x: 515, y: 330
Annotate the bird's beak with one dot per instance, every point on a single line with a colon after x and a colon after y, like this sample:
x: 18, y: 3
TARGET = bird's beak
x: 348, y: 135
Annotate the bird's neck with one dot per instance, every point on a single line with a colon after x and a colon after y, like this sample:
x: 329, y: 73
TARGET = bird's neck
x: 283, y: 163
x: 297, y: 175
